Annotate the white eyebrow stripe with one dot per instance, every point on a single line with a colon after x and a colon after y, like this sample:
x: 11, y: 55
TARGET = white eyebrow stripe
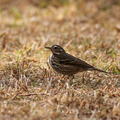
x: 55, y: 46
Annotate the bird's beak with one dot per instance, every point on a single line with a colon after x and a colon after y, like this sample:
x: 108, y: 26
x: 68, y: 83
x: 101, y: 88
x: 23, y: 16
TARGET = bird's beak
x: 48, y: 48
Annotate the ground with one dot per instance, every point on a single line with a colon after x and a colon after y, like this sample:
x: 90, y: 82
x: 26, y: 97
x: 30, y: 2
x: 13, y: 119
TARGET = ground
x: 30, y: 88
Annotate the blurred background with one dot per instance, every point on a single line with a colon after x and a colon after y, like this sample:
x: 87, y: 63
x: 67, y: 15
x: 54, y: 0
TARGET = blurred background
x: 49, y: 17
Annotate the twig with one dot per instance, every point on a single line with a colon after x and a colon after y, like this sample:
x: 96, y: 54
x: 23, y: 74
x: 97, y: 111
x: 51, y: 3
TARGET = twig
x: 29, y: 94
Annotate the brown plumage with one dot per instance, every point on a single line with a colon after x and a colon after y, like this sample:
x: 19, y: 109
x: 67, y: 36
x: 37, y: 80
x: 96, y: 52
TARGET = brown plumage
x: 67, y: 64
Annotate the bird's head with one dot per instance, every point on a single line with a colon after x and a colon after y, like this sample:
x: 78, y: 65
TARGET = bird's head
x: 56, y: 49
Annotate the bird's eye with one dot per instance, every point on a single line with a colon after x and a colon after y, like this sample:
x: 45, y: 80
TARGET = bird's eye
x: 55, y: 47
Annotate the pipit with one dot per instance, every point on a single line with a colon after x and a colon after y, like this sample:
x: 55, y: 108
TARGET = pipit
x: 67, y: 64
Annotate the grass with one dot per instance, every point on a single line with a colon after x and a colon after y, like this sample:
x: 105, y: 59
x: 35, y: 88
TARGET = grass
x: 30, y: 89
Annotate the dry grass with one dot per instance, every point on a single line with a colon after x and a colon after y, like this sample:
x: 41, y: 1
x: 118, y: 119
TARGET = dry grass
x: 89, y: 30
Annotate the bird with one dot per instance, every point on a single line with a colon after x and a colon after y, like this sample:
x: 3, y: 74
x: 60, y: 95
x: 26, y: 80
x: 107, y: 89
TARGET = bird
x: 67, y: 64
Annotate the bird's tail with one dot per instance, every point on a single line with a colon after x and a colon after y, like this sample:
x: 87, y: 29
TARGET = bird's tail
x: 98, y: 70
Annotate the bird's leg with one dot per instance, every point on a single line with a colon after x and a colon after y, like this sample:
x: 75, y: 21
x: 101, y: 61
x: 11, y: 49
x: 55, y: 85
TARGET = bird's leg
x: 71, y: 79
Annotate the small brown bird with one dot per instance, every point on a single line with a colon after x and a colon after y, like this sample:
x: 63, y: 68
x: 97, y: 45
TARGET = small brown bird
x: 67, y: 64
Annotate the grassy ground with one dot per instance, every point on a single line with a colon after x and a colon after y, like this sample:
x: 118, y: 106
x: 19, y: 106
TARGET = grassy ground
x: 89, y: 30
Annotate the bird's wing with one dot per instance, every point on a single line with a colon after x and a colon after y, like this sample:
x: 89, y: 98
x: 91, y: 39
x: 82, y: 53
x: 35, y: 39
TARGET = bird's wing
x: 68, y: 59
